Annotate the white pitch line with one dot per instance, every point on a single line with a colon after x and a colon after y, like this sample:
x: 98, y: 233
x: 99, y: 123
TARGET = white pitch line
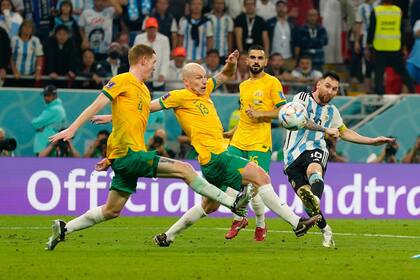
x: 224, y: 229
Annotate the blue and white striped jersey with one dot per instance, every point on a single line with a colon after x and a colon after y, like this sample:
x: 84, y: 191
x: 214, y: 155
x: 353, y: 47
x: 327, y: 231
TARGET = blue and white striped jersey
x: 221, y: 28
x: 195, y: 51
x: 24, y: 54
x: 301, y: 140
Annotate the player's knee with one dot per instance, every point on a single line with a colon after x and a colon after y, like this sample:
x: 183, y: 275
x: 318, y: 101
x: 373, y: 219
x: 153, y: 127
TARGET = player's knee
x: 257, y: 175
x: 315, y: 178
x: 186, y: 169
x: 209, y: 206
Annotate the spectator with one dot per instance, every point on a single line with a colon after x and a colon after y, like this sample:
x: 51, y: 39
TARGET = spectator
x: 413, y: 61
x: 195, y: 32
x: 336, y: 16
x: 26, y: 53
x: 222, y: 28
x: 387, y: 155
x: 242, y: 73
x: 3, y: 152
x: 306, y: 75
x: 60, y: 55
x: 123, y: 38
x: 265, y: 9
x: 60, y: 149
x: 96, y: 26
x: 276, y: 68
x: 19, y: 6
x: 158, y: 143
x: 133, y: 14
x: 360, y: 51
x: 386, y: 41
x: 298, y: 9
x: 166, y: 21
x: 234, y: 8
x: 97, y: 147
x: 212, y: 63
x: 175, y: 69
x: 51, y: 120
x: 77, y: 7
x: 160, y: 43
x: 40, y: 12
x: 65, y: 17
x: 333, y: 155
x: 89, y: 70
x: 113, y: 65
x: 251, y: 29
x: 178, y: 8
x: 5, y: 54
x: 311, y: 39
x: 283, y: 34
x: 413, y: 154
x: 10, y: 20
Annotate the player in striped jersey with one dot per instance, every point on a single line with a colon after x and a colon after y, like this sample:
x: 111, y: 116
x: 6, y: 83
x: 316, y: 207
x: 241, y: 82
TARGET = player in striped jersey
x: 306, y: 153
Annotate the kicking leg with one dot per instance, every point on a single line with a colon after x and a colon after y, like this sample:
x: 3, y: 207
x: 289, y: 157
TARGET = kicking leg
x: 169, y: 168
x: 238, y: 222
x: 112, y: 209
x: 190, y: 217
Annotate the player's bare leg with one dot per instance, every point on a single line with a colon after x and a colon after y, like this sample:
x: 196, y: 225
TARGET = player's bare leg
x: 169, y: 168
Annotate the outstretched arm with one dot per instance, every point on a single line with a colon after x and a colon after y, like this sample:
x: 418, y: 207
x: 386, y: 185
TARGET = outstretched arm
x: 352, y: 136
x: 228, y: 70
x: 86, y: 115
x: 332, y: 132
x: 155, y: 106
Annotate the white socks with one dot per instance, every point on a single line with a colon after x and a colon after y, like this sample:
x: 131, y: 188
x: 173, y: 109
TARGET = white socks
x: 201, y: 186
x: 187, y: 220
x: 273, y: 202
x: 88, y: 219
x: 259, y: 210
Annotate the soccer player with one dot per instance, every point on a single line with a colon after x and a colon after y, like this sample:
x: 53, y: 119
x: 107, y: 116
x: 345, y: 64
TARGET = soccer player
x: 126, y: 150
x: 261, y: 96
x: 306, y: 153
x: 197, y: 116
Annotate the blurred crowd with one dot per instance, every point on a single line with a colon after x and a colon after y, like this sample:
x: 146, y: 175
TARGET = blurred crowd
x: 82, y: 43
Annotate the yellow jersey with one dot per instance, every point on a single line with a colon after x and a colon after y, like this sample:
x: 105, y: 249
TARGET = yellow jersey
x: 263, y: 94
x: 198, y: 118
x: 130, y: 112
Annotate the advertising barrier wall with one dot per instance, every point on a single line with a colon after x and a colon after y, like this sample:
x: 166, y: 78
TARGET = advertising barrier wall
x: 57, y: 186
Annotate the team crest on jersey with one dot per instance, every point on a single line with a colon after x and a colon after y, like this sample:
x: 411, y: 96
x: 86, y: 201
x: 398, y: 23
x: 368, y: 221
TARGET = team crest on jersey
x: 325, y: 118
x: 110, y: 85
x: 166, y: 96
x: 258, y: 93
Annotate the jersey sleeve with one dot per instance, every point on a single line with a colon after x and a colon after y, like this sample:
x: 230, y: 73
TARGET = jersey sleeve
x: 113, y: 88
x: 277, y: 95
x: 172, y: 99
x: 337, y: 121
x: 302, y: 98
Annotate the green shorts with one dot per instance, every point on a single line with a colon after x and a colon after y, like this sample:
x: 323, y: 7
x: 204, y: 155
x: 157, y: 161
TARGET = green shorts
x: 263, y: 159
x: 224, y: 170
x: 129, y: 168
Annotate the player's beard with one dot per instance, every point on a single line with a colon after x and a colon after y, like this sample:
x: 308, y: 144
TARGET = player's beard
x: 256, y: 71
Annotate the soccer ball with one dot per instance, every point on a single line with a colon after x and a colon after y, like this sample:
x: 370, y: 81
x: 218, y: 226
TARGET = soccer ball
x: 293, y: 116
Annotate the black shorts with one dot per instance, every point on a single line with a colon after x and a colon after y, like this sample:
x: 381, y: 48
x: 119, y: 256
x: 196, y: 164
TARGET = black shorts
x: 296, y: 172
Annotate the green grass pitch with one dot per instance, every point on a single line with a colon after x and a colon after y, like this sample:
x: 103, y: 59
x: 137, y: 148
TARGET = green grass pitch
x: 123, y: 249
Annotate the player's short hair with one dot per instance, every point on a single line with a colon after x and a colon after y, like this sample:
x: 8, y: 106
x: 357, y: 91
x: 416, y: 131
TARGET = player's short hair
x: 139, y: 51
x: 332, y: 75
x: 255, y: 48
